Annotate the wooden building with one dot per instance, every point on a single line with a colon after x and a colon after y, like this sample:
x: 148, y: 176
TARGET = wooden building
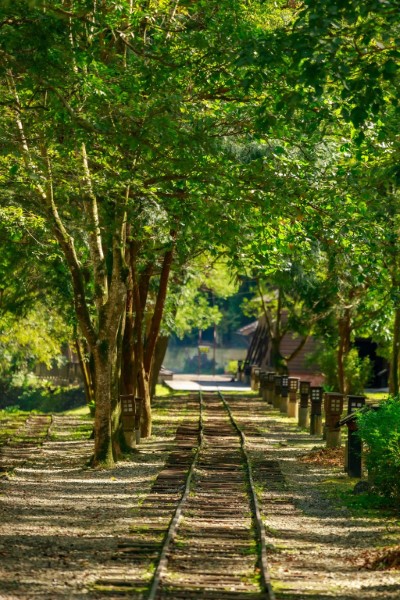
x: 259, y: 351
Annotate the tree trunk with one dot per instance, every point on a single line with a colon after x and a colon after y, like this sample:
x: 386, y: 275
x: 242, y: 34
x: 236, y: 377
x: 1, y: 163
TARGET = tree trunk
x: 86, y: 372
x: 138, y: 348
x: 144, y: 393
x: 158, y: 311
x: 103, y: 450
x: 159, y: 354
x: 278, y: 361
x: 343, y: 350
x: 119, y: 442
x: 128, y: 349
x: 395, y: 357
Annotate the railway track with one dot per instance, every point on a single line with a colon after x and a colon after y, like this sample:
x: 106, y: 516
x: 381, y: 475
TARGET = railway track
x: 202, y: 528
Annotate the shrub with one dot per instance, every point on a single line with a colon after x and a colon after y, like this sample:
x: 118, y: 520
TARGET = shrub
x: 357, y: 370
x: 43, y: 397
x: 380, y: 431
x: 232, y: 367
x: 325, y: 358
x: 14, y: 408
x: 207, y: 365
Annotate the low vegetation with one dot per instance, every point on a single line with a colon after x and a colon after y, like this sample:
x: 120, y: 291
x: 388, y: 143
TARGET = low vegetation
x: 380, y: 432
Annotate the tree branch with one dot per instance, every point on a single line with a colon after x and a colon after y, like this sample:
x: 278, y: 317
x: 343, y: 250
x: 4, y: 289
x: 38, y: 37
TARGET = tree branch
x: 95, y: 241
x: 298, y: 349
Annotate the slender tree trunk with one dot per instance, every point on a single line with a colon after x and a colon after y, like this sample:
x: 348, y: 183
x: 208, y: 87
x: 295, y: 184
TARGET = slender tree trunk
x: 158, y: 310
x: 145, y: 358
x: 343, y: 350
x: 128, y: 347
x: 144, y: 392
x: 297, y: 350
x: 395, y: 357
x: 159, y: 354
x: 278, y: 361
x: 86, y: 372
x: 119, y: 442
x: 134, y: 375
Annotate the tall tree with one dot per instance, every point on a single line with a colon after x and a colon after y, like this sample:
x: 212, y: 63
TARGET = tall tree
x: 113, y: 121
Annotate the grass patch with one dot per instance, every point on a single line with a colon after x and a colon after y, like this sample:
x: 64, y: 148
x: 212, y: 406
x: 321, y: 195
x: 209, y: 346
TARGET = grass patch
x: 243, y: 393
x: 163, y: 391
x: 12, y: 413
x: 80, y: 411
x: 377, y: 396
x: 367, y: 504
x: 10, y: 422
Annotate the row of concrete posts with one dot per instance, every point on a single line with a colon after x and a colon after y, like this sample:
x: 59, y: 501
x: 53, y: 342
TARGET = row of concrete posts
x: 304, y: 402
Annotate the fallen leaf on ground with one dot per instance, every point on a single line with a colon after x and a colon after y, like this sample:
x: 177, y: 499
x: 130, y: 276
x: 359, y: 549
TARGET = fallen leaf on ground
x: 326, y: 457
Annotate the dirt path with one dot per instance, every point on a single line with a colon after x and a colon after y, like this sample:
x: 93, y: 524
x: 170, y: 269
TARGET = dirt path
x: 62, y: 525
x: 316, y: 545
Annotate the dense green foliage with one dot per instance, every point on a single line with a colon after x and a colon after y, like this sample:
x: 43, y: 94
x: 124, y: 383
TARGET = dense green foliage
x: 33, y: 394
x: 357, y: 370
x: 142, y: 140
x: 380, y: 431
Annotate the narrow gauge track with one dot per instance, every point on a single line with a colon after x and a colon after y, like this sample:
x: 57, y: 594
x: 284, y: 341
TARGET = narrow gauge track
x: 215, y: 545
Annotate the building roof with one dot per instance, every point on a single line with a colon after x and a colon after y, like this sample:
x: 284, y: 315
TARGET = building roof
x: 248, y: 329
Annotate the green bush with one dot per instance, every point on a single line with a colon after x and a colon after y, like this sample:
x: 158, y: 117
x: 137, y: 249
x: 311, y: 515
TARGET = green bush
x: 42, y: 397
x: 380, y: 431
x: 232, y: 367
x: 207, y: 365
x: 357, y: 370
x: 51, y: 398
x: 14, y: 408
x: 325, y: 358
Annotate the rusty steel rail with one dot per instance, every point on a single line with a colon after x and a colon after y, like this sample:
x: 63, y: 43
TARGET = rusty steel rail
x: 173, y: 526
x: 161, y: 571
x: 257, y: 519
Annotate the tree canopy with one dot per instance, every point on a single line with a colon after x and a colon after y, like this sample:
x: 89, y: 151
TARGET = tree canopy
x: 143, y: 140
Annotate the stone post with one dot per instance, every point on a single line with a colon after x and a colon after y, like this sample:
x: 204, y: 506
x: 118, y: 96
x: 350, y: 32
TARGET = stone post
x: 284, y: 401
x: 304, y: 415
x: 293, y: 408
x: 316, y: 394
x: 333, y: 409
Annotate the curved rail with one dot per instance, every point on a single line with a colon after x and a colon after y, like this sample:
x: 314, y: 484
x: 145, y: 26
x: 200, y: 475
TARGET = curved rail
x: 259, y: 525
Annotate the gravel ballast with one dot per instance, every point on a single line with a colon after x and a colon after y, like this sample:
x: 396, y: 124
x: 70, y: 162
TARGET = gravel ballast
x: 62, y: 523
